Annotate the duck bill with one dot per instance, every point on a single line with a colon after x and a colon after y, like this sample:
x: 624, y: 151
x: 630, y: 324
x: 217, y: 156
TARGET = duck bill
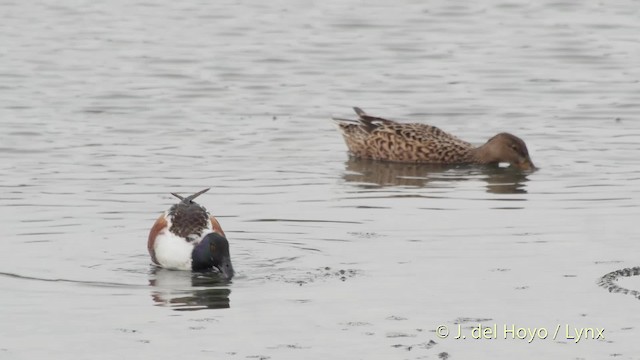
x: 225, y: 268
x: 526, y: 165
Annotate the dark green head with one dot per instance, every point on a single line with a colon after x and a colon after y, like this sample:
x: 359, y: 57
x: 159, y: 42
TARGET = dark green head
x: 213, y: 252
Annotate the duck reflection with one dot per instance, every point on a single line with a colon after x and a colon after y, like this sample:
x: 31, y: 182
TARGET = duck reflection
x: 371, y: 174
x: 505, y: 180
x: 188, y: 291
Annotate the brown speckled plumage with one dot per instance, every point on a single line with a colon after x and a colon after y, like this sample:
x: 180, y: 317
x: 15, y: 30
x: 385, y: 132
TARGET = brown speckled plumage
x: 188, y: 218
x: 376, y: 138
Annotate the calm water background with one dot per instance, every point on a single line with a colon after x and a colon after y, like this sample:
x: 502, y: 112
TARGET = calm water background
x: 106, y: 107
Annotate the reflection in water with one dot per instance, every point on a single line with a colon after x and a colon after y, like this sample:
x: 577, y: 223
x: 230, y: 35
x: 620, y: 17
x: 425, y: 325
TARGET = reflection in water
x: 505, y: 180
x: 185, y: 290
x: 372, y: 173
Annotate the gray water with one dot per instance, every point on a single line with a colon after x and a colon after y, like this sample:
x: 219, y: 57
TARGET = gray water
x: 107, y: 107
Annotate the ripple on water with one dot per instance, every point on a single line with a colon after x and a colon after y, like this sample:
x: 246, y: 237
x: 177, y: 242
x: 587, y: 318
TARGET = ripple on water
x: 610, y: 281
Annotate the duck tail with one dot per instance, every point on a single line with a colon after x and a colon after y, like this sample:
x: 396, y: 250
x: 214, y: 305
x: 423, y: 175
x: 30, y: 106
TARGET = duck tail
x: 341, y: 120
x: 178, y: 196
x: 360, y: 112
x: 366, y: 123
x: 191, y: 197
x: 370, y: 122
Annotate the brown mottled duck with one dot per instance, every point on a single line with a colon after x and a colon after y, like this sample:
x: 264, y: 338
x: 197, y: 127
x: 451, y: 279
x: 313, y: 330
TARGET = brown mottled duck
x: 376, y: 138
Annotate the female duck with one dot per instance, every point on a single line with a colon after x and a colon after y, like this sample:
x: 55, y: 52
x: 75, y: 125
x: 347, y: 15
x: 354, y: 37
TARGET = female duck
x: 187, y: 237
x: 376, y: 138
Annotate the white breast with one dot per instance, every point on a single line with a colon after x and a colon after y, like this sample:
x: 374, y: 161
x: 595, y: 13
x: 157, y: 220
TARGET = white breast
x: 174, y: 252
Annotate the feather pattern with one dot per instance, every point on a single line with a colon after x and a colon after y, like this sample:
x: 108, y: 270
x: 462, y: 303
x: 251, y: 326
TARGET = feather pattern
x: 372, y: 137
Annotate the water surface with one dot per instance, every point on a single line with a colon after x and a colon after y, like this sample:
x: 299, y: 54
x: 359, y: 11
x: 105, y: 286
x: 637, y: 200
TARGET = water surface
x: 106, y: 108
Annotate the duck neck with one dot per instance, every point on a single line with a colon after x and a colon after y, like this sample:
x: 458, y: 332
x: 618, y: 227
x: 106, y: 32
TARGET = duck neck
x: 482, y: 154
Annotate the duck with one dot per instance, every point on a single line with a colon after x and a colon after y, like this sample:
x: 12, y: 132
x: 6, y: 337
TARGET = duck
x: 188, y: 237
x: 371, y: 137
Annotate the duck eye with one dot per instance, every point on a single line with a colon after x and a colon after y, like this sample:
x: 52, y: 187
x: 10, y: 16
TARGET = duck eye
x: 213, y: 248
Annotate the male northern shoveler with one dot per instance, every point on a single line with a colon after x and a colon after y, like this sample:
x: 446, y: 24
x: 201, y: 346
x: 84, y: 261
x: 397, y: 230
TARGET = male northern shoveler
x: 376, y: 138
x: 187, y: 237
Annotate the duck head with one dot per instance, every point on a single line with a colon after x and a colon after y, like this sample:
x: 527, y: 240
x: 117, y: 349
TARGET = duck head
x: 505, y: 147
x: 213, y: 251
